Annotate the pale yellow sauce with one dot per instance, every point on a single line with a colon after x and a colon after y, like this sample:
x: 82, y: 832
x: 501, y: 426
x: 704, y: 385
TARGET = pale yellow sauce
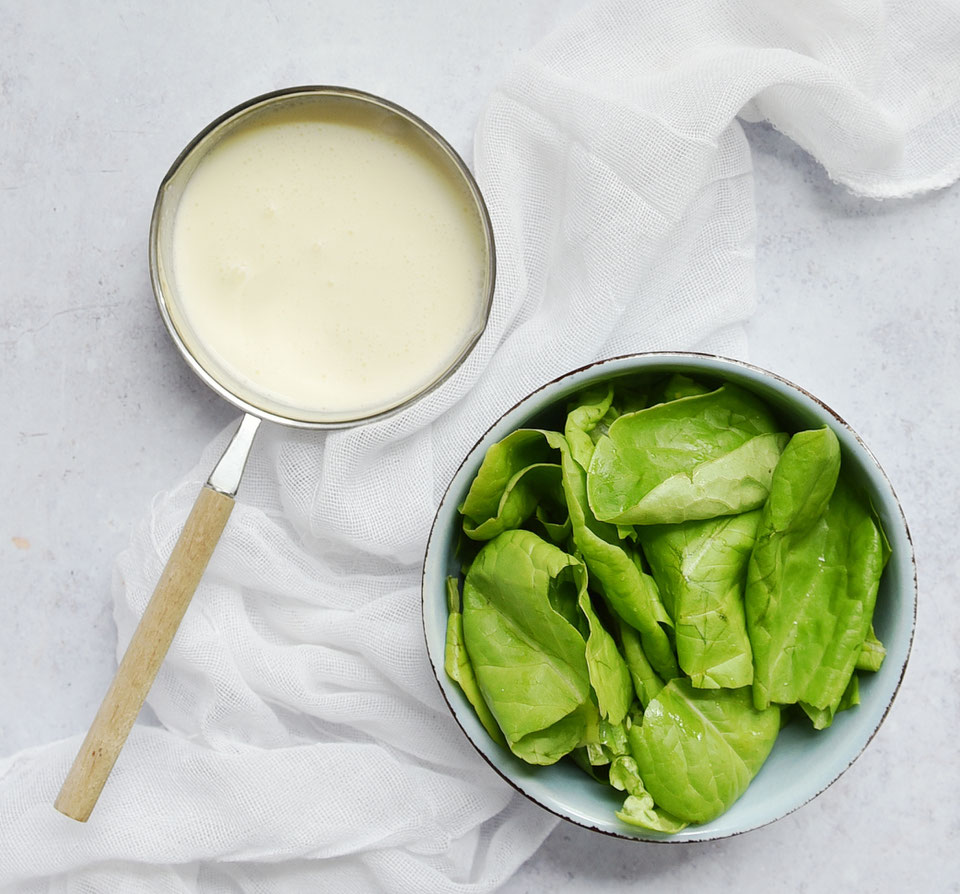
x: 329, y: 260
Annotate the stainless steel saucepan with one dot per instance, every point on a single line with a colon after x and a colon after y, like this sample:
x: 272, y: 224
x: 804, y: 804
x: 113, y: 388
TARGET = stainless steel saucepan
x: 206, y: 522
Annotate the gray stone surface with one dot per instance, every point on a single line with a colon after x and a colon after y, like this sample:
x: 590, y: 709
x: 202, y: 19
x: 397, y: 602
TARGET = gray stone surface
x: 858, y: 302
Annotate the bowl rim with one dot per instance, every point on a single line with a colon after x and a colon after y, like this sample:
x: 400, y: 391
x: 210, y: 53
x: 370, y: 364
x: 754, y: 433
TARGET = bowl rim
x: 667, y: 357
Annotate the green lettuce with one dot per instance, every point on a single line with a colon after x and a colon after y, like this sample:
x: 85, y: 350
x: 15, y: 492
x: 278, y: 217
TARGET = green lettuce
x: 700, y: 568
x: 872, y: 653
x: 520, y: 629
x: 456, y: 663
x: 616, y: 574
x: 629, y: 592
x: 644, y: 590
x: 511, y: 481
x: 609, y: 674
x: 698, y: 749
x: 646, y: 683
x: 697, y: 457
x: 679, y: 385
x: 639, y: 809
x: 812, y: 578
x: 821, y: 718
x: 591, y: 411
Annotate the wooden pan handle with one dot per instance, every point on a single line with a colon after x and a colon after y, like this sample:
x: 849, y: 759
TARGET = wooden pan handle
x: 144, y: 655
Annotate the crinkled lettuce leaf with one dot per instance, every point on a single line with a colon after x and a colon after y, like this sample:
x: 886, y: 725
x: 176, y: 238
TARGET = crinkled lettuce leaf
x: 872, y: 653
x: 456, y: 662
x: 629, y: 592
x: 821, y: 718
x: 615, y: 571
x: 698, y: 749
x: 547, y: 746
x: 586, y: 413
x: 692, y: 458
x: 514, y: 475
x: 679, y: 385
x: 602, y: 744
x: 812, y: 578
x: 700, y: 568
x: 646, y: 683
x: 552, y: 516
x: 608, y: 672
x: 638, y: 809
x: 520, y: 630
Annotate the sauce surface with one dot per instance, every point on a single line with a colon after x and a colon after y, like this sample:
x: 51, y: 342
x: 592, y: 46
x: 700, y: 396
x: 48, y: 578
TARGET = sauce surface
x: 328, y: 259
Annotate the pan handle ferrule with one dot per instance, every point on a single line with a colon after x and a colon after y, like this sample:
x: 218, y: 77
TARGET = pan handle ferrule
x: 225, y: 477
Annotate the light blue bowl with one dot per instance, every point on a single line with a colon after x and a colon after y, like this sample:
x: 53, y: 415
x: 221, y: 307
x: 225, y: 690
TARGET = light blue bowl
x: 803, y: 762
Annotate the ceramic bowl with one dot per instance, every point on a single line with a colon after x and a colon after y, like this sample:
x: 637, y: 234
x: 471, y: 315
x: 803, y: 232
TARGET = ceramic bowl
x: 803, y: 762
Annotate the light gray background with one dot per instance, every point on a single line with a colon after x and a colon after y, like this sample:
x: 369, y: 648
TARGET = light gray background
x: 858, y: 303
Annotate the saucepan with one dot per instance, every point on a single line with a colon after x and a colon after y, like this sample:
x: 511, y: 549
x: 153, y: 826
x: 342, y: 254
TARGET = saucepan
x: 206, y: 522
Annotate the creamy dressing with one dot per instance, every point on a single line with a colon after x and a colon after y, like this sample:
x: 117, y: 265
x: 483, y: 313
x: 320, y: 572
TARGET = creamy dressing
x: 329, y: 259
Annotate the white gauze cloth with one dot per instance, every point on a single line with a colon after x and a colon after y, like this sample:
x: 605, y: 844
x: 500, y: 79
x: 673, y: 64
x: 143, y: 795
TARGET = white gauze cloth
x: 303, y: 743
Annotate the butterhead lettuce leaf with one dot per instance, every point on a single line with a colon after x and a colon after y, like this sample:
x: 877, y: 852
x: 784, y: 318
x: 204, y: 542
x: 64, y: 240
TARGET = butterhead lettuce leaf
x: 513, y: 475
x: 700, y: 568
x: 456, y: 663
x: 872, y: 653
x: 629, y: 592
x: 812, y: 578
x: 698, y: 749
x: 585, y: 415
x: 638, y: 808
x: 527, y: 655
x: 821, y: 718
x: 646, y: 682
x: 609, y: 674
x: 696, y: 457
